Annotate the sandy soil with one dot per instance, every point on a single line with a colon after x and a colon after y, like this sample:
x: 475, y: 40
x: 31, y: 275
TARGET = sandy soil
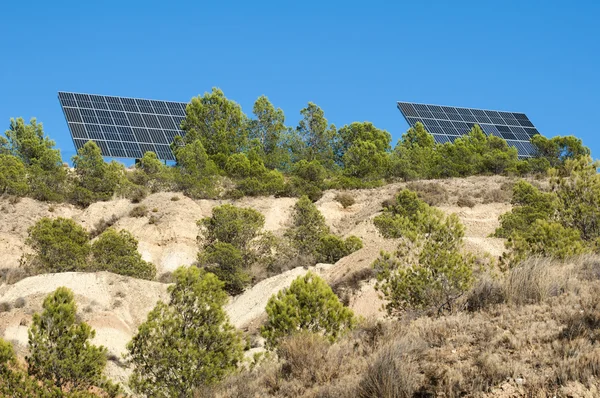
x: 116, y: 305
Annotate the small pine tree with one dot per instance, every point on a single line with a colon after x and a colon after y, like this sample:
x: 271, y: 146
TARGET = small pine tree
x: 187, y: 343
x: 13, y: 176
x: 59, y: 346
x: 308, y: 226
x: 117, y: 252
x: 308, y: 304
x: 231, y: 224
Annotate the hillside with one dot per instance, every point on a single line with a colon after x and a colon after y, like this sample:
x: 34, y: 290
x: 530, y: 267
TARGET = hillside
x: 115, y: 305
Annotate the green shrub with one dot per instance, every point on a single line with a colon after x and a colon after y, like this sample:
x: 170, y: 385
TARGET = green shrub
x: 297, y: 187
x: 59, y: 345
x: 13, y: 178
x: 543, y: 238
x: 59, y: 245
x: 345, y: 199
x: 117, y: 252
x: 197, y: 174
x: 529, y: 204
x: 332, y: 248
x: 308, y: 226
x: 231, y: 224
x: 227, y: 262
x: 428, y: 271
x: 187, y: 343
x: 308, y: 304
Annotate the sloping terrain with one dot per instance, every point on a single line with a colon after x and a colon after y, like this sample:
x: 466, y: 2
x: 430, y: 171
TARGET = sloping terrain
x: 115, y: 305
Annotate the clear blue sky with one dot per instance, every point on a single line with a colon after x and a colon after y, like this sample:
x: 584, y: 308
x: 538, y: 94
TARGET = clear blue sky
x: 354, y: 59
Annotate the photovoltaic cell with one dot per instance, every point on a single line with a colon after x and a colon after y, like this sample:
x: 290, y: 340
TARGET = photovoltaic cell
x: 446, y: 123
x: 128, y: 127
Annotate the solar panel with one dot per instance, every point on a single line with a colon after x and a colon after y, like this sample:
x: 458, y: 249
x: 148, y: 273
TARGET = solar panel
x: 123, y: 127
x: 446, y: 123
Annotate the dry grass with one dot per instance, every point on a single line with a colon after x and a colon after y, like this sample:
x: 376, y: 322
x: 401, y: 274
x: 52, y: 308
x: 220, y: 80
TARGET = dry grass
x: 345, y: 199
x: 349, y: 284
x: 103, y: 224
x: 432, y: 193
x: 465, y: 201
x: 139, y: 211
x: 534, y: 331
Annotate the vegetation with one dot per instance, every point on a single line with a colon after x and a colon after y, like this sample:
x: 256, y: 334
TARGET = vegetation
x: 428, y: 271
x: 117, y: 252
x: 187, y: 343
x: 60, y: 351
x: 59, y: 244
x: 308, y: 304
x: 62, y: 245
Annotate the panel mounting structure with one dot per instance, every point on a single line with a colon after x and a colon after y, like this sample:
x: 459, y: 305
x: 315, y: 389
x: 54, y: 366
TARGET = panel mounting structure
x: 123, y: 127
x: 447, y: 123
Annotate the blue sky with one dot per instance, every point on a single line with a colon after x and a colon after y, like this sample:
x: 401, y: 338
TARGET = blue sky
x: 354, y: 59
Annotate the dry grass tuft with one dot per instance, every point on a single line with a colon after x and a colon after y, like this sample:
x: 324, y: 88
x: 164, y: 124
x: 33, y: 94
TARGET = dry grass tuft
x: 345, y: 199
x: 432, y: 193
x: 535, y: 280
x: 139, y: 211
x: 465, y: 201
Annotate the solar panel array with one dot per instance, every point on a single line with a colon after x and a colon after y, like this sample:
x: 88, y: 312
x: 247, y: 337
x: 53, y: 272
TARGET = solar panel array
x: 446, y: 123
x: 123, y: 127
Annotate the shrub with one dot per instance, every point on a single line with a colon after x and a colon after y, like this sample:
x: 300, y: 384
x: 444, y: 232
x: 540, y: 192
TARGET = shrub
x: 5, y: 307
x: 428, y: 272
x: 59, y: 346
x: 117, y: 252
x: 20, y: 302
x: 226, y: 262
x: 465, y: 201
x: 393, y: 374
x: 308, y: 226
x: 187, y: 343
x: 533, y: 281
x: 345, y: 199
x: 231, y: 224
x: 331, y: 248
x: 175, y: 198
x: 139, y: 211
x: 102, y: 225
x: 432, y: 193
x: 308, y: 304
x: 13, y: 178
x: 497, y: 196
x: 59, y: 245
x: 529, y: 204
x: 546, y: 239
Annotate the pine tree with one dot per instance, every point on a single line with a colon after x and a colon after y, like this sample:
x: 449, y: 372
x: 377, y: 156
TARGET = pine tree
x: 187, y: 343
x: 59, y: 346
x: 310, y: 305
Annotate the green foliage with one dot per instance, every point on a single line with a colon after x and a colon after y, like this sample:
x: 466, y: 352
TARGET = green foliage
x: 227, y: 236
x: 578, y: 197
x: 217, y: 122
x: 529, y: 204
x: 188, y: 343
x: 228, y: 263
x: 153, y: 174
x: 364, y: 160
x: 197, y: 173
x: 317, y: 135
x: 59, y: 346
x: 13, y: 177
x: 269, y: 130
x: 117, y: 252
x: 332, y: 248
x: 308, y: 226
x: 231, y: 224
x: 428, y: 272
x: 15, y: 382
x: 559, y: 149
x: 308, y: 304
x: 96, y: 179
x: 59, y: 245
x: 543, y: 238
x: 351, y: 134
x: 46, y: 176
x: 414, y: 155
